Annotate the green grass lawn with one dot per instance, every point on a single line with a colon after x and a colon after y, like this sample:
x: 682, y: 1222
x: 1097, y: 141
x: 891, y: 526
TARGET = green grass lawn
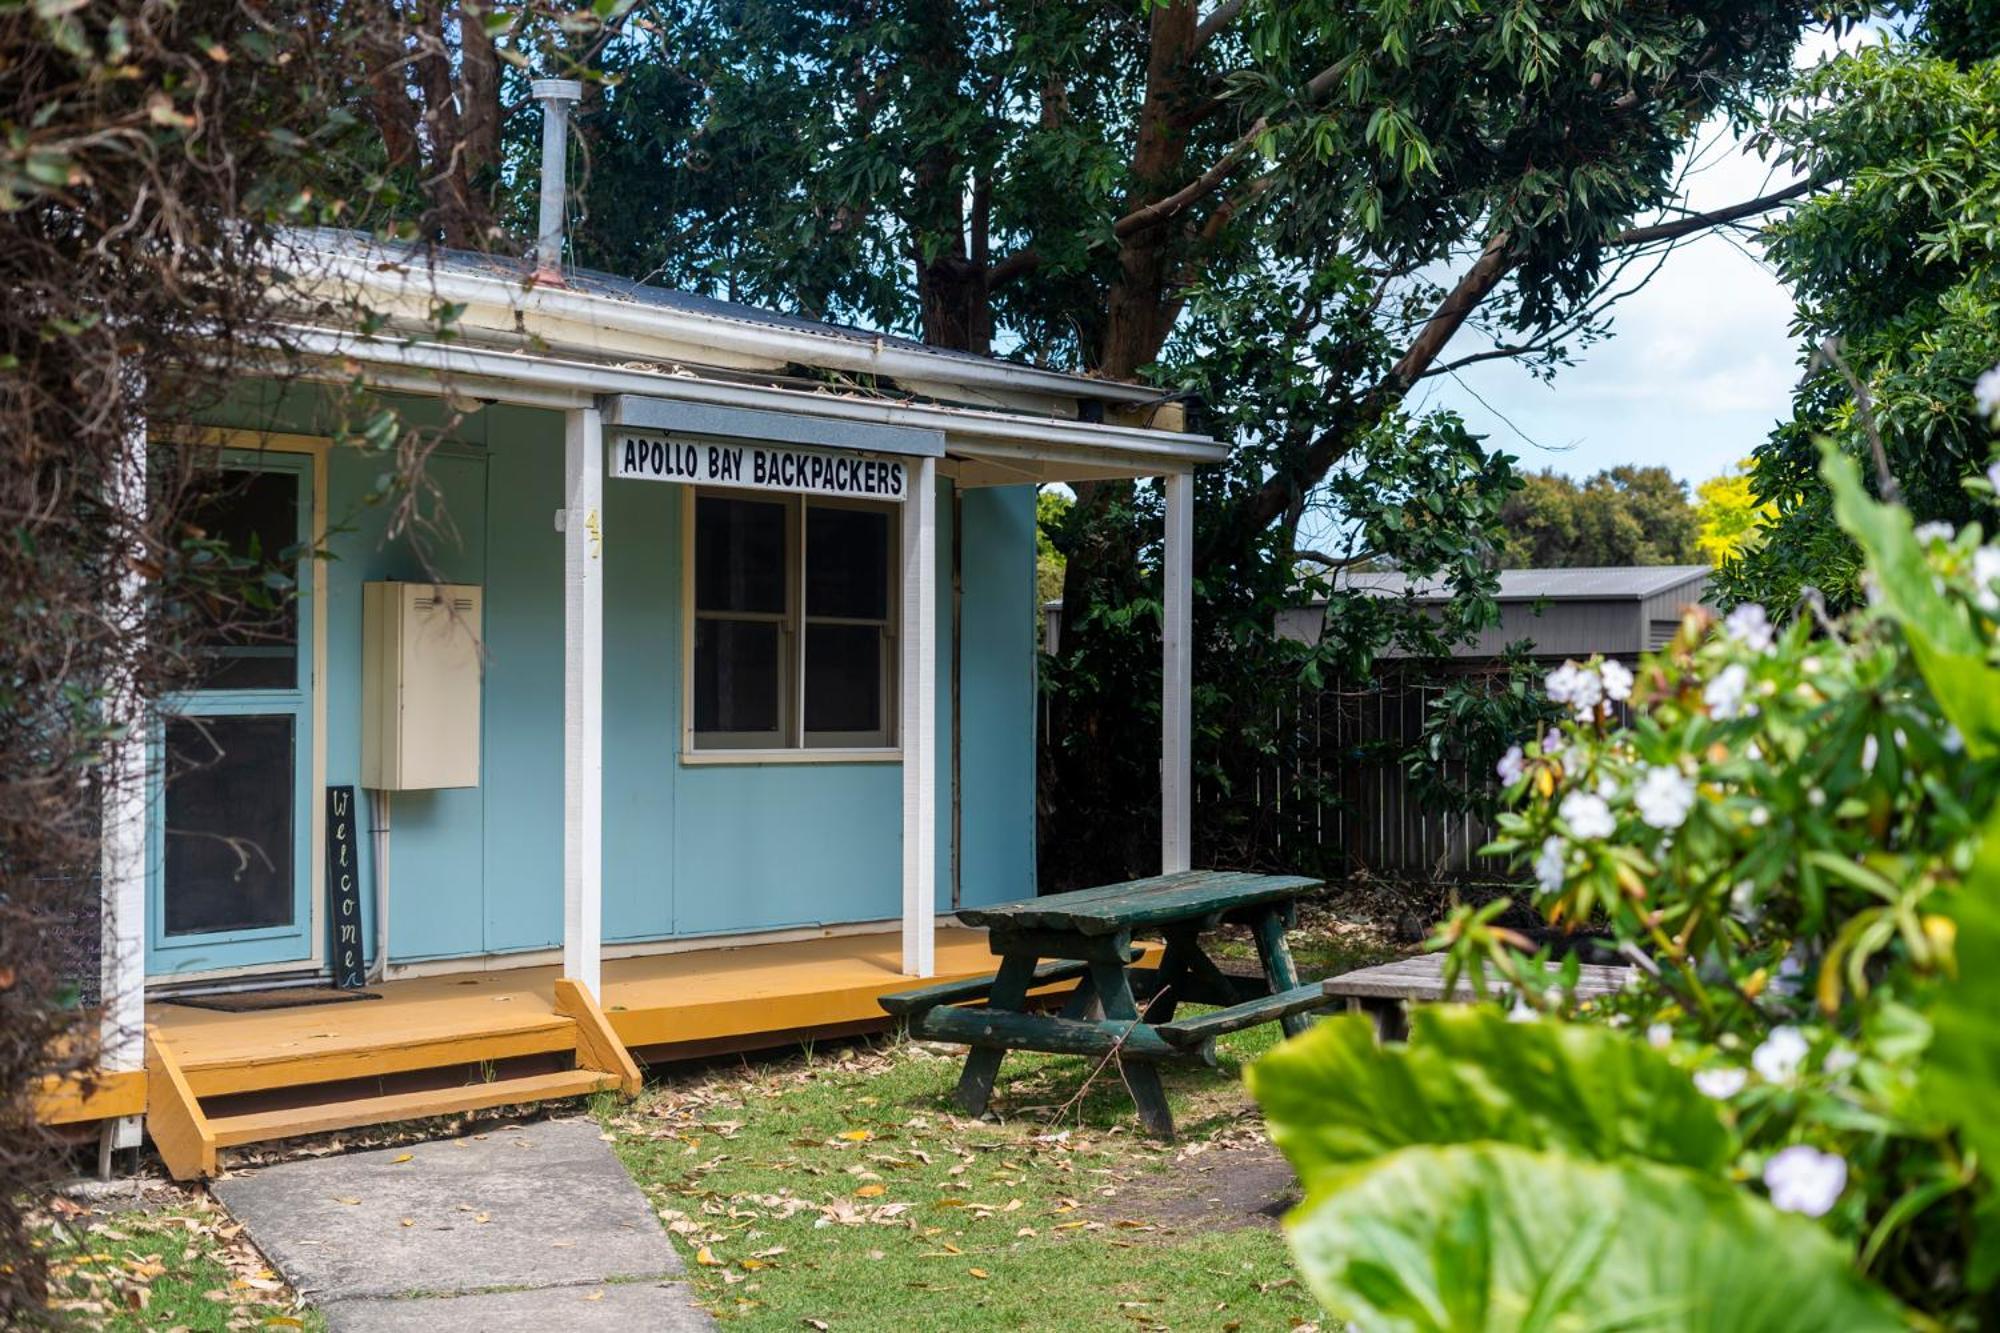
x: 183, y: 1266
x: 843, y: 1192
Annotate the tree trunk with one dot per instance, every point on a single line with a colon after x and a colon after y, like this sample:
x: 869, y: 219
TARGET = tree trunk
x: 479, y: 103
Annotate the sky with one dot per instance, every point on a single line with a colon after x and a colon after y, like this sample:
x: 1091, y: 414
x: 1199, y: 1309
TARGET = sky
x: 1700, y: 366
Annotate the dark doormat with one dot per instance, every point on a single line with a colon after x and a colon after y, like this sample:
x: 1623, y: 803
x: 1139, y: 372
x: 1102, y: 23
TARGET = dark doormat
x: 288, y: 997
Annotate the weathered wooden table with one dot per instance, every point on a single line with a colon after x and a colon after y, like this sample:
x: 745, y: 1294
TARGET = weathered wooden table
x: 1384, y: 992
x: 1087, y: 936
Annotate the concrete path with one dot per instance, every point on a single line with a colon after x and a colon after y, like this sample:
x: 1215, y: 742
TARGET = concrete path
x: 532, y: 1227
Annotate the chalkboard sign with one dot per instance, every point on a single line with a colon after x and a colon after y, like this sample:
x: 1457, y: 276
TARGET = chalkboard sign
x: 343, y: 891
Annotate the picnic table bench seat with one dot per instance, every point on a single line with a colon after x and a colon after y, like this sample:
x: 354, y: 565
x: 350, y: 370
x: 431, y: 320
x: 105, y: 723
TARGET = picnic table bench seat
x: 910, y: 1003
x: 1202, y: 1031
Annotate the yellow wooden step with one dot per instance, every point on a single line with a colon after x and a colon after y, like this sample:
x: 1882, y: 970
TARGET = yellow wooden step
x: 262, y: 1126
x: 366, y: 1053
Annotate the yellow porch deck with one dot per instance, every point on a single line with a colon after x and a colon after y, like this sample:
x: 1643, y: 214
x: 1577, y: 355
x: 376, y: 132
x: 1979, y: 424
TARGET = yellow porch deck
x: 216, y: 1078
x: 751, y: 996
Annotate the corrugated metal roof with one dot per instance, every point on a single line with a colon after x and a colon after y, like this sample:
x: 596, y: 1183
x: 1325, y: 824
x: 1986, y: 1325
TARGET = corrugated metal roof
x: 1594, y: 583
x: 595, y: 283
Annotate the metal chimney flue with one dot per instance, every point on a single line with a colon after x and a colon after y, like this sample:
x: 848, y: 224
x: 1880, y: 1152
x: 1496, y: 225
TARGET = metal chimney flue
x: 557, y: 96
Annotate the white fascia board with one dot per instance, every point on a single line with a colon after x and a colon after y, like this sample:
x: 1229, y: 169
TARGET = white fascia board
x: 532, y: 381
x: 510, y: 302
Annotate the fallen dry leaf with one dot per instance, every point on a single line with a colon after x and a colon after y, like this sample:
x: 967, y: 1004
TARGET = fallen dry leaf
x: 870, y: 1191
x: 401, y: 1158
x: 979, y: 1272
x: 706, y: 1258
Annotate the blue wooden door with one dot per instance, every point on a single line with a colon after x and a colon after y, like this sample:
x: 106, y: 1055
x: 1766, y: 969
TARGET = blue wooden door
x: 231, y: 828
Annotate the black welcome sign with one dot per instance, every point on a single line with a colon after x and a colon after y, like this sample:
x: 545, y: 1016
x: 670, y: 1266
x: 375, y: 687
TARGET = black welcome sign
x: 343, y: 891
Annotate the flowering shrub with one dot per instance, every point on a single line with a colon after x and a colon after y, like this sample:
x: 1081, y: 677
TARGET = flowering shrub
x: 1788, y: 839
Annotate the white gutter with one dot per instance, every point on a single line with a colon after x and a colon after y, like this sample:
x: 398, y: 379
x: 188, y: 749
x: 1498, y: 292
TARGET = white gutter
x: 530, y: 381
x: 409, y: 278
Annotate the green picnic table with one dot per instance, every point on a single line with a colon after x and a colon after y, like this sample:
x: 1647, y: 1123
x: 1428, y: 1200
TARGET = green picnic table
x: 1086, y: 936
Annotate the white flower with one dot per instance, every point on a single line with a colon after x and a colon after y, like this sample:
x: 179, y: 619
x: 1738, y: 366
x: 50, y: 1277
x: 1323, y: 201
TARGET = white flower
x: 1993, y: 476
x: 1607, y: 788
x: 1724, y: 695
x: 1522, y: 1012
x: 1839, y: 1060
x: 1753, y: 752
x: 1659, y: 1036
x: 1587, y: 815
x: 1512, y: 764
x: 1805, y: 1180
x: 1561, y: 683
x: 1870, y: 748
x: 1986, y: 392
x: 1927, y: 533
x: 1549, y: 865
x: 1778, y: 1059
x: 1720, y: 1083
x: 1985, y: 569
x: 1760, y: 815
x: 1664, y: 797
x: 1750, y: 626
x: 1953, y: 739
x: 1743, y: 897
x: 1815, y: 797
x: 1617, y: 680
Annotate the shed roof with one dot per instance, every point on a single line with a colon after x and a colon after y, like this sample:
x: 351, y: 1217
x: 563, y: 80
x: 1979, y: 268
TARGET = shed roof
x: 1602, y: 583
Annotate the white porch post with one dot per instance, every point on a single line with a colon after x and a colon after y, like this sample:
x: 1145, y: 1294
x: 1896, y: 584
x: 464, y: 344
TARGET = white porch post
x: 1176, y: 678
x: 583, y: 696
x: 122, y: 854
x: 918, y: 732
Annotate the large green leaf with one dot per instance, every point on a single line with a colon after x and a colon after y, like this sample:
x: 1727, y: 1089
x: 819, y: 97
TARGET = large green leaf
x: 1947, y: 648
x: 1961, y: 1079
x: 1489, y: 1237
x: 1334, y: 1098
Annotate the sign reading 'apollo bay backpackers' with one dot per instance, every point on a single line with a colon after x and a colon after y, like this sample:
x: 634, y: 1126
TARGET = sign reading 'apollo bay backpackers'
x: 756, y: 467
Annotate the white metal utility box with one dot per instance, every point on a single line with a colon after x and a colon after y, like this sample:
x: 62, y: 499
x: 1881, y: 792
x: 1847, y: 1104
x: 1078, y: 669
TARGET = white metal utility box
x: 420, y: 675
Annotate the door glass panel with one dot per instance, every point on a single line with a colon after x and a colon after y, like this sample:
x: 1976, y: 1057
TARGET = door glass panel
x: 229, y: 848
x: 256, y: 519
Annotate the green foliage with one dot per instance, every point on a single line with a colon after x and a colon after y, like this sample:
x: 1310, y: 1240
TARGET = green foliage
x: 1336, y: 1101
x: 1798, y: 835
x: 1895, y: 261
x: 1626, y: 515
x: 1490, y: 1236
x: 1729, y: 518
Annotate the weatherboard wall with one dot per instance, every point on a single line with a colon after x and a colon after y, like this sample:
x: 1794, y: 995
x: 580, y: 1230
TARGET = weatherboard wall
x: 689, y: 850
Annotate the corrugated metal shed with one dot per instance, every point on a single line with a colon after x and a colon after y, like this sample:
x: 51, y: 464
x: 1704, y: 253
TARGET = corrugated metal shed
x: 1618, y: 610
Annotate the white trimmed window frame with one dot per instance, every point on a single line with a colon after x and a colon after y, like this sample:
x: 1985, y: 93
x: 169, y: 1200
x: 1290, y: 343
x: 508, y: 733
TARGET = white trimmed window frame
x: 713, y: 748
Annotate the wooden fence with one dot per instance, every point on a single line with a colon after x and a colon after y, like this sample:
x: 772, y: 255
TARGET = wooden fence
x: 1347, y: 805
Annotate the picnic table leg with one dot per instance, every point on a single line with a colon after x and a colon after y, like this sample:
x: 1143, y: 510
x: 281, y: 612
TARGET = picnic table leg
x: 1279, y: 971
x: 982, y: 1063
x: 1183, y: 948
x: 1083, y: 1002
x: 1142, y: 1077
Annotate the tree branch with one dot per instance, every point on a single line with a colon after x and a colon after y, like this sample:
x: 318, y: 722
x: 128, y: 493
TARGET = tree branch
x: 1694, y: 222
x: 1167, y: 209
x: 1018, y: 264
x: 1218, y: 18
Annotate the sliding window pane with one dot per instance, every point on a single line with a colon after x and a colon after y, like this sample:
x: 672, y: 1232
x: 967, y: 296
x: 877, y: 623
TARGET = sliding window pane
x: 736, y: 677
x: 739, y: 556
x: 847, y: 563
x: 229, y: 850
x: 844, y: 679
